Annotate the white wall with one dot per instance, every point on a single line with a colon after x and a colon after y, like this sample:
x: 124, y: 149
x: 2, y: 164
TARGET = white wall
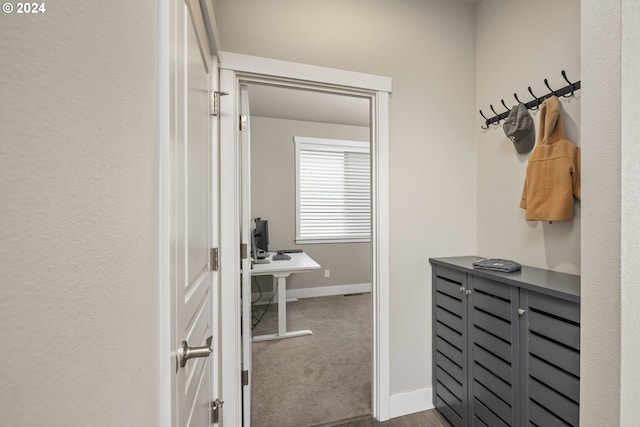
x: 273, y: 198
x: 610, y: 382
x: 512, y: 54
x: 630, y: 221
x: 427, y: 47
x: 78, y: 246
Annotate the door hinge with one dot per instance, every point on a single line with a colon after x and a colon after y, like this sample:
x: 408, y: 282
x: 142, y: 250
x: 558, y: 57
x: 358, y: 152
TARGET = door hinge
x: 214, y: 100
x: 216, y: 406
x: 245, y: 377
x: 243, y: 251
x: 243, y: 122
x: 213, y: 261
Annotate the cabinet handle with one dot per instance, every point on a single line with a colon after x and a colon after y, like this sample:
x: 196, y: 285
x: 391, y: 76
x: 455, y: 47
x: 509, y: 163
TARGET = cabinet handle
x: 521, y: 311
x: 468, y: 291
x: 462, y: 289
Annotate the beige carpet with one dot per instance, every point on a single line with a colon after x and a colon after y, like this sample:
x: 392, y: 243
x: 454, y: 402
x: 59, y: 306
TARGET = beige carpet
x: 315, y: 379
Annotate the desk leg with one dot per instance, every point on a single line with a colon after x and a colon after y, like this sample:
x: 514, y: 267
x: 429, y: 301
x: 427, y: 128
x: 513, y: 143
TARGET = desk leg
x: 280, y: 284
x: 282, y: 304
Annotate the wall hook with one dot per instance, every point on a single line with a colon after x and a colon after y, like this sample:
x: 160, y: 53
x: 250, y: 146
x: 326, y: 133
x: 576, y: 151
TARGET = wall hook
x: 546, y: 83
x: 570, y: 84
x: 496, y: 113
x: 515, y: 95
x: 485, y: 120
x: 534, y: 104
x: 537, y: 100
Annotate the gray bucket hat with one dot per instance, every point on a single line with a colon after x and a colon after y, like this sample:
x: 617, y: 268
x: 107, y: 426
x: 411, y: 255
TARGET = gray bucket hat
x: 519, y: 128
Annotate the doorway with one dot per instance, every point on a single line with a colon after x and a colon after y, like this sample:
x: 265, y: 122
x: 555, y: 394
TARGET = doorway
x: 310, y: 181
x: 237, y: 70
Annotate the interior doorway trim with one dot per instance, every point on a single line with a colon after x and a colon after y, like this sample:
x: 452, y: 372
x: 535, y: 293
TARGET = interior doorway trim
x: 234, y: 70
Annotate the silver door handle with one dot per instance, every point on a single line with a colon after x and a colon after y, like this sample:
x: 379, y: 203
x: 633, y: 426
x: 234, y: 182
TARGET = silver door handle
x: 185, y: 352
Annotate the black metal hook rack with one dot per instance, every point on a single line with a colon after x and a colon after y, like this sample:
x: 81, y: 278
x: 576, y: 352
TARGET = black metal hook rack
x: 566, y: 92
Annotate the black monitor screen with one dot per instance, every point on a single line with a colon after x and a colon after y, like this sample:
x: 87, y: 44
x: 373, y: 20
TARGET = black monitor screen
x: 261, y: 234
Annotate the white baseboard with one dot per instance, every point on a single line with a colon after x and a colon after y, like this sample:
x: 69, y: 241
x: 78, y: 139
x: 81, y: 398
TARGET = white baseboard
x: 410, y: 402
x: 321, y: 291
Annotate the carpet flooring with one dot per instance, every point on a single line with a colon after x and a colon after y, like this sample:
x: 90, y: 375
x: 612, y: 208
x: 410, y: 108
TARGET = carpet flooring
x: 316, y: 379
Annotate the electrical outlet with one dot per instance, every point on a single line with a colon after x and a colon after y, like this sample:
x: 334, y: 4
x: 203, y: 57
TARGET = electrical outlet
x: 327, y: 273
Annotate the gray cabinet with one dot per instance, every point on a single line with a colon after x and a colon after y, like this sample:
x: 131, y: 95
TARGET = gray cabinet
x: 506, y: 347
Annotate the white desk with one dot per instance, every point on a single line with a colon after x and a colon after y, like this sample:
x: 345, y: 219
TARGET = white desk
x: 280, y: 270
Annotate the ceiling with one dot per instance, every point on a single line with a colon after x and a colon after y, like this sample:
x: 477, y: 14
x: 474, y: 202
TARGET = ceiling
x: 299, y: 104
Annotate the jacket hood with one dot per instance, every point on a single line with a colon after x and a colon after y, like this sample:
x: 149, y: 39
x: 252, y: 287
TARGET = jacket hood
x: 551, y: 124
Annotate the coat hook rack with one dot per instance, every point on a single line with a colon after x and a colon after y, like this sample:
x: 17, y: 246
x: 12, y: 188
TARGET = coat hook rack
x: 566, y: 92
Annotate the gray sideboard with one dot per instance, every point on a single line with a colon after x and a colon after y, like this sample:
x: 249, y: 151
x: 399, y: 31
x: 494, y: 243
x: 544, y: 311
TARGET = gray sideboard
x: 506, y: 346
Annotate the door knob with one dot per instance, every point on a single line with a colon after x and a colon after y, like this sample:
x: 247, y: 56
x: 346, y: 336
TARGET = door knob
x: 185, y: 352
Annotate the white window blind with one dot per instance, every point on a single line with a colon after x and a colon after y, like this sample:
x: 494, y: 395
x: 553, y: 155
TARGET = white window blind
x: 333, y: 191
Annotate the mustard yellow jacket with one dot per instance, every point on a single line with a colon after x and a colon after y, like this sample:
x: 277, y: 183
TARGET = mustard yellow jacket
x: 553, y: 171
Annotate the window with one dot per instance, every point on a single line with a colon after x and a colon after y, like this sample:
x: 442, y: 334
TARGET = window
x: 333, y: 191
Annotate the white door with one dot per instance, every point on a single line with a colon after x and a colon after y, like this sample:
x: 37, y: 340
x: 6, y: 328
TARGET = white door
x: 192, y: 209
x: 245, y: 239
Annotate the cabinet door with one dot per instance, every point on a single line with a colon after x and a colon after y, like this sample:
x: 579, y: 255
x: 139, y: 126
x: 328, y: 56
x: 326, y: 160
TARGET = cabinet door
x: 551, y: 360
x: 449, y: 330
x: 493, y: 353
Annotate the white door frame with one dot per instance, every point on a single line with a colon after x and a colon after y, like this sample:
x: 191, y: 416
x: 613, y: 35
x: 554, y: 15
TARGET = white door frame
x: 236, y: 69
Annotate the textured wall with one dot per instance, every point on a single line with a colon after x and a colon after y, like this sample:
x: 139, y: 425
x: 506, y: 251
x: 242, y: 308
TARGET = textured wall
x: 601, y: 250
x: 273, y: 198
x: 509, y: 58
x: 630, y: 227
x: 427, y: 48
x: 78, y: 234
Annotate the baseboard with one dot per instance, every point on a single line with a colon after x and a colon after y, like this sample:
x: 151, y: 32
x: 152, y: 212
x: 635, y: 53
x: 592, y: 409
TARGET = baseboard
x: 321, y: 291
x: 410, y: 402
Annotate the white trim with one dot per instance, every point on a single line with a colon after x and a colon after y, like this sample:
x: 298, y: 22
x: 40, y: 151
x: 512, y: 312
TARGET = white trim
x: 229, y: 259
x: 211, y: 26
x: 319, y: 291
x: 380, y: 236
x: 325, y: 143
x: 311, y: 73
x: 237, y: 69
x: 164, y: 244
x: 411, y: 402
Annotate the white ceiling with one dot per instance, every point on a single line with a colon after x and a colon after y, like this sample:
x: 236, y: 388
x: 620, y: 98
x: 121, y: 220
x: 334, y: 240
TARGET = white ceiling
x: 298, y: 104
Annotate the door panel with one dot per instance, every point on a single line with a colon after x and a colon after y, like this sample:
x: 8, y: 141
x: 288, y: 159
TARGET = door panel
x: 493, y: 358
x: 192, y: 210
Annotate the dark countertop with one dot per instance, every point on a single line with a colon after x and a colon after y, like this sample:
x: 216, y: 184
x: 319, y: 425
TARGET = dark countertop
x: 554, y: 283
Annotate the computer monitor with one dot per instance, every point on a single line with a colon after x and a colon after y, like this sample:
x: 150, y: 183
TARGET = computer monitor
x: 256, y: 254
x: 261, y: 234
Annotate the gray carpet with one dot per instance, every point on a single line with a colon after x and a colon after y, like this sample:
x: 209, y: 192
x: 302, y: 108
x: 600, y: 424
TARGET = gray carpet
x: 315, y: 379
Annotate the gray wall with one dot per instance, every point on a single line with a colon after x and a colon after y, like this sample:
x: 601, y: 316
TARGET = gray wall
x: 79, y: 299
x: 273, y: 198
x: 79, y: 188
x: 428, y: 48
x: 505, y: 65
